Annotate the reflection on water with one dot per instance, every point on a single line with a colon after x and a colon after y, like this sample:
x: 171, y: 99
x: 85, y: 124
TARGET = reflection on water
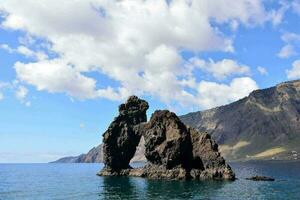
x: 119, y: 188
x: 139, y: 188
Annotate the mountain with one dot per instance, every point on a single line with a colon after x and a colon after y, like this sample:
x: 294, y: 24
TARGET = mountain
x: 264, y: 125
x: 95, y: 155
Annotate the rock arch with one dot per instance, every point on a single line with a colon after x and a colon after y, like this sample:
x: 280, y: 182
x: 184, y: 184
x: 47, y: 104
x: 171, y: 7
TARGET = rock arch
x: 173, y: 150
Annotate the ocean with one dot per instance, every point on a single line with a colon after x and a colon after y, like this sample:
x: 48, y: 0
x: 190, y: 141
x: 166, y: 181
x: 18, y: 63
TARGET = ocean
x: 79, y: 181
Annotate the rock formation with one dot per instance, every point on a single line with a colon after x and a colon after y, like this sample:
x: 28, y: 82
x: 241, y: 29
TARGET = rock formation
x: 207, y: 160
x: 168, y: 147
x: 173, y: 151
x: 122, y: 137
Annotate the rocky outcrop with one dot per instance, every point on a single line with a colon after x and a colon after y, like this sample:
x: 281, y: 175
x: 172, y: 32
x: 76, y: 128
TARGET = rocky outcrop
x: 123, y: 135
x: 168, y: 146
x: 173, y: 151
x: 260, y: 178
x: 207, y: 160
x: 167, y: 140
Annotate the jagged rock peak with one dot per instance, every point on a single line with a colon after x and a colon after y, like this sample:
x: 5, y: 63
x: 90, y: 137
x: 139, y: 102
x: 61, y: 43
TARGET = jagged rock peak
x: 135, y: 108
x: 123, y: 135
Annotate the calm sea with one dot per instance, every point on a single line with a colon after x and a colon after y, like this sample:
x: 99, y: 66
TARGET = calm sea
x: 79, y: 181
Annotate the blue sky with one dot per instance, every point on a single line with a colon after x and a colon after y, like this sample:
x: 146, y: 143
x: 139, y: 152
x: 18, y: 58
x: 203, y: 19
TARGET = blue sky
x: 62, y: 76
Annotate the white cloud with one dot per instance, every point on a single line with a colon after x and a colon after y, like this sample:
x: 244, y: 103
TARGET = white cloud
x: 290, y: 37
x: 135, y: 43
x: 291, y: 40
x: 58, y: 76
x: 21, y: 94
x: 221, y: 69
x: 262, y: 70
x: 294, y: 73
x: 23, y: 50
x: 212, y: 94
x: 6, y: 48
x: 287, y: 51
x: 276, y: 16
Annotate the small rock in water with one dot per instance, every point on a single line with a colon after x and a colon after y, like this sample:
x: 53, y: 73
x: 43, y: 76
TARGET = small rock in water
x: 260, y: 178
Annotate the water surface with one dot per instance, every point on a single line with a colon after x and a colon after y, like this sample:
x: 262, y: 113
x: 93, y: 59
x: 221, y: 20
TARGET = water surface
x: 78, y: 181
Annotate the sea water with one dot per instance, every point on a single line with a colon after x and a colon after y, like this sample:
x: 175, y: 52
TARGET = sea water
x: 79, y: 181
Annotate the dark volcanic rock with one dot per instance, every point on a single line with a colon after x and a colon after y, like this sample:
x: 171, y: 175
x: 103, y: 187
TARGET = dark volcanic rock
x: 168, y: 146
x: 123, y: 135
x: 173, y: 151
x: 207, y: 158
x: 167, y: 140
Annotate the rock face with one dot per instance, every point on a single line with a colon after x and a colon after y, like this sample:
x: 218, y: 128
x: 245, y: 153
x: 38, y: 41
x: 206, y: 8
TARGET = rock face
x: 173, y: 151
x: 123, y: 136
x: 167, y: 140
x: 168, y: 146
x: 207, y: 160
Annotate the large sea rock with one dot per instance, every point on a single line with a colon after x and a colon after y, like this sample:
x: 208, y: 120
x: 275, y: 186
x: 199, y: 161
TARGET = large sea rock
x: 172, y: 150
x: 123, y: 135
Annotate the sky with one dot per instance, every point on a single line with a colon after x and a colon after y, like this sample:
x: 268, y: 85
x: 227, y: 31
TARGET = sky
x: 65, y: 66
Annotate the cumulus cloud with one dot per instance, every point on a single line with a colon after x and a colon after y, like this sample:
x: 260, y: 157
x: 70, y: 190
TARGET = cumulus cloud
x: 211, y: 94
x: 221, y: 69
x: 294, y: 72
x: 138, y: 44
x: 58, y: 76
